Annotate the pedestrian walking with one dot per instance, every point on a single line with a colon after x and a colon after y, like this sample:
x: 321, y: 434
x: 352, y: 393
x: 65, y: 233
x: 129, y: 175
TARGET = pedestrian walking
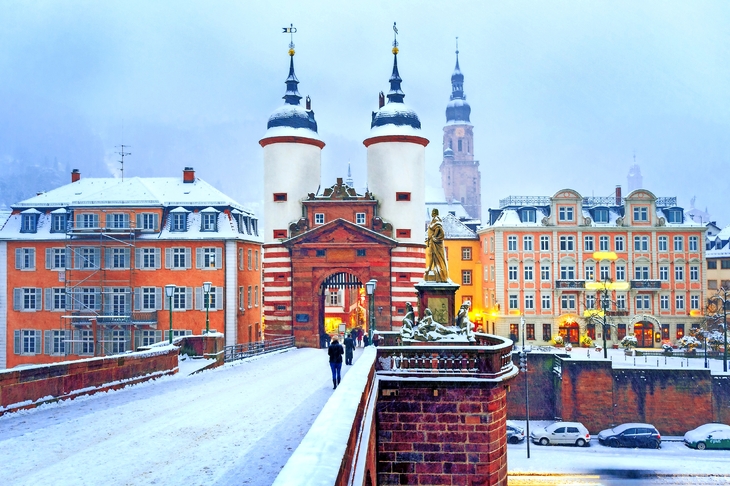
x: 335, y: 353
x: 365, y: 340
x: 349, y: 349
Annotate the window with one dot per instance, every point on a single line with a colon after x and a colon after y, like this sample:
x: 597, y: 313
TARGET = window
x: 712, y: 284
x: 148, y: 258
x: 466, y: 277
x: 402, y: 196
x: 693, y: 243
x: 662, y: 243
x: 512, y: 243
x: 605, y: 272
x: 256, y: 259
x: 590, y: 272
x: 588, y: 243
x: 590, y: 301
x: 546, y: 301
x: 333, y: 298
x: 642, y: 302
x: 565, y: 213
x: 147, y: 221
x: 567, y: 302
x: 279, y: 197
x: 28, y: 223
x: 514, y: 332
x: 567, y: 272
x: 680, y: 331
x: 600, y: 215
x: 179, y: 222
x: 318, y: 218
x: 711, y: 264
x: 361, y: 252
x: 280, y: 234
x: 567, y: 243
x: 641, y: 213
x: 117, y: 257
x: 213, y: 299
x: 724, y: 264
x: 465, y: 253
x: 178, y: 258
x: 85, y: 344
x: 679, y: 302
x: 56, y: 342
x: 321, y: 253
x: 678, y: 243
x: 621, y: 302
x: 27, y: 299
x: 148, y: 338
x: 641, y: 272
x: 664, y: 273
x: 618, y: 242
x: 117, y: 221
x: 27, y: 341
x: 544, y: 243
x: 620, y: 272
x: 664, y: 302
x: 529, y: 302
x: 148, y: 298
x: 116, y: 301
x: 208, y: 221
x: 248, y: 296
x: 403, y: 233
x: 87, y: 221
x: 603, y: 243
x: 528, y: 270
x: 678, y: 273
x: 180, y: 298
x: 513, y: 301
x: 56, y: 299
x: 530, y: 332
x: 694, y: 302
x: 512, y: 273
x: 547, y: 332
x: 256, y: 295
x: 25, y: 258
x: 85, y: 299
x: 359, y: 218
x: 210, y: 258
x: 674, y: 215
x: 641, y: 243
x: 621, y: 331
x: 528, y: 216
x: 250, y: 259
x: 58, y: 223
x: 544, y: 272
x: 527, y: 243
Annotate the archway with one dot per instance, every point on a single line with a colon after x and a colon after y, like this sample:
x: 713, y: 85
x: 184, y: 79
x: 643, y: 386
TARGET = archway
x: 569, y: 329
x: 342, y: 305
x: 644, y: 333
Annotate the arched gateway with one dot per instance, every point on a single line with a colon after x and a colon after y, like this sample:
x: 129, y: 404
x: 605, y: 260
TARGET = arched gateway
x: 341, y: 302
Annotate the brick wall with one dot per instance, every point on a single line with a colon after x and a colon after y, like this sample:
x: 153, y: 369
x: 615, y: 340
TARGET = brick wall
x: 441, y: 433
x: 542, y: 393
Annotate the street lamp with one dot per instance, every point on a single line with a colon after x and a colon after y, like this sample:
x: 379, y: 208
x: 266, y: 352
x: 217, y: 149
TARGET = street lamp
x: 206, y: 289
x: 724, y: 327
x: 523, y: 369
x: 370, y: 289
x: 169, y: 290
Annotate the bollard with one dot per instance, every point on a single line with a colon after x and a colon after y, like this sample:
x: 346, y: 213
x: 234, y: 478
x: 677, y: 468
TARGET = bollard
x: 657, y: 362
x: 634, y: 361
x: 646, y: 358
x: 665, y: 360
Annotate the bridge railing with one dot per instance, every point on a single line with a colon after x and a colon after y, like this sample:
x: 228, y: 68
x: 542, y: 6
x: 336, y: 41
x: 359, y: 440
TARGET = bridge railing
x: 246, y: 350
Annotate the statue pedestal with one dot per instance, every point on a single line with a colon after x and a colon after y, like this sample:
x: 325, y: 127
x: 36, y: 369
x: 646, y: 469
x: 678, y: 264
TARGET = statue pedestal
x: 439, y: 298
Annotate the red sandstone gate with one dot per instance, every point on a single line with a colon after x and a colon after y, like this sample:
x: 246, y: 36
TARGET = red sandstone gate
x: 341, y: 299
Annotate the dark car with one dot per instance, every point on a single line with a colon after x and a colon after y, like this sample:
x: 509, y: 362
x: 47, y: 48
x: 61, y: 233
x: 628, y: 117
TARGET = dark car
x: 515, y: 433
x: 631, y: 435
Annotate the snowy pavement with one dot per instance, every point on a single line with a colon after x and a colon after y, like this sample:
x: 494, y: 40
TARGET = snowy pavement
x: 237, y: 424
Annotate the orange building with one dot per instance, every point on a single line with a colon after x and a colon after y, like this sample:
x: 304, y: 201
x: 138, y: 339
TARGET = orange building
x: 84, y: 268
x: 549, y: 258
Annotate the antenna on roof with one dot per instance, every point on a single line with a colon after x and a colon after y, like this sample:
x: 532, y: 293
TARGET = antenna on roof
x: 122, y: 153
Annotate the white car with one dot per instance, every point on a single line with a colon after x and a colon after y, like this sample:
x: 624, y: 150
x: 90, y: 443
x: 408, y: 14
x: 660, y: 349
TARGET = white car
x: 569, y: 433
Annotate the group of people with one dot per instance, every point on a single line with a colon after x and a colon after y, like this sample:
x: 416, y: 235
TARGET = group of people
x: 335, y: 350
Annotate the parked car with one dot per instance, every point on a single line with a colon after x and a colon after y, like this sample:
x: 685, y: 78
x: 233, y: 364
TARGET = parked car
x: 631, y: 435
x: 572, y: 433
x: 515, y: 433
x: 708, y: 436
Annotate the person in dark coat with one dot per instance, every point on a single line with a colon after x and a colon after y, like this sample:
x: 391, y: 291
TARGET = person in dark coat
x: 349, y: 348
x: 365, y: 340
x: 335, y: 352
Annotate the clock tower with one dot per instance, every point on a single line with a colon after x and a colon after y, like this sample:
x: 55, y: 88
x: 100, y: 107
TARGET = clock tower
x: 460, y: 177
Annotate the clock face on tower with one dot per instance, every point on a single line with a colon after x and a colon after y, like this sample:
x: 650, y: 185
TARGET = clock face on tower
x: 459, y: 132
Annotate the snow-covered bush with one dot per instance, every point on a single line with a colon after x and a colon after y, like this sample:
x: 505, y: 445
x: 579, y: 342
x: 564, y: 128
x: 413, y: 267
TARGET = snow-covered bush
x: 586, y: 341
x: 629, y: 342
x: 667, y: 348
x: 688, y: 342
x: 558, y: 340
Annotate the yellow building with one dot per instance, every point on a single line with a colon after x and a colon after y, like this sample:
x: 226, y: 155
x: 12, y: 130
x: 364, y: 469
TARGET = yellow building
x: 462, y: 254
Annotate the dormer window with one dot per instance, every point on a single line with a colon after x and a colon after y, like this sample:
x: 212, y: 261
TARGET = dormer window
x: 674, y: 215
x: 29, y: 221
x: 179, y: 222
x: 600, y: 215
x: 565, y: 213
x: 641, y: 214
x: 58, y: 223
x: 255, y: 226
x: 528, y: 216
x: 208, y: 222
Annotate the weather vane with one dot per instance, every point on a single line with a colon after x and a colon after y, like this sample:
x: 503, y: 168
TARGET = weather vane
x: 291, y: 30
x: 395, y: 39
x: 457, y: 44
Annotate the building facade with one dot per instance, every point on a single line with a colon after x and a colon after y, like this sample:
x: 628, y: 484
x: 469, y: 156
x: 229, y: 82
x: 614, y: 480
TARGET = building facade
x: 317, y: 242
x: 460, y: 176
x: 549, y: 259
x: 463, y: 247
x: 718, y: 261
x: 85, y: 267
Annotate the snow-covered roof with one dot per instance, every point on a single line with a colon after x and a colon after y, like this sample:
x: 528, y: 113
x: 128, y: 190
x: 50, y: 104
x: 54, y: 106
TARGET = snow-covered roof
x: 511, y: 217
x: 454, y: 207
x: 456, y: 230
x: 291, y: 132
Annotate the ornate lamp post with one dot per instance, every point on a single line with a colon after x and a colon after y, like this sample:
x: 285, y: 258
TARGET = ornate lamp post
x: 206, y: 289
x: 370, y: 289
x: 169, y: 290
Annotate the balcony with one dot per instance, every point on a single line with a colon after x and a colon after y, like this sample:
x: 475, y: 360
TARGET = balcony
x: 147, y: 318
x: 646, y: 284
x: 570, y: 284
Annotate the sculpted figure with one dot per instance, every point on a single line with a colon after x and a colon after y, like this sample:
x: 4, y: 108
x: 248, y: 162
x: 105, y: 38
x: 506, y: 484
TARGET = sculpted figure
x: 436, y: 269
x: 407, y: 330
x: 463, y: 323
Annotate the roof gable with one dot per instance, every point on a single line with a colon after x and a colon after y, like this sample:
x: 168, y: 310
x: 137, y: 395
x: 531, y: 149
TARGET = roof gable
x: 340, y: 231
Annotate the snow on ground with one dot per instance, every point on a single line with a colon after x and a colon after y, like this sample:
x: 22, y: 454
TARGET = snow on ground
x: 237, y: 424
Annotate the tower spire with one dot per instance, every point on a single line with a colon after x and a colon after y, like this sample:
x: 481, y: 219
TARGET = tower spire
x: 292, y: 95
x: 395, y: 95
x: 457, y: 79
x: 349, y: 180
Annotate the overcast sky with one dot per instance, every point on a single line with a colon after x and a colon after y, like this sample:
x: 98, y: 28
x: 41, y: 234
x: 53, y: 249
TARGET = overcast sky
x: 563, y: 94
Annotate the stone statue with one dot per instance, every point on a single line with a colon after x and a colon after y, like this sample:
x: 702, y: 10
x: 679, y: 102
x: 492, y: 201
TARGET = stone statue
x: 466, y: 327
x: 409, y: 321
x: 436, y: 268
x: 430, y: 330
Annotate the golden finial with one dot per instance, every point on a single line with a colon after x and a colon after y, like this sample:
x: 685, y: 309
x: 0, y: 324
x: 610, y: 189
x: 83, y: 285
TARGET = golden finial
x: 395, y: 39
x: 290, y: 30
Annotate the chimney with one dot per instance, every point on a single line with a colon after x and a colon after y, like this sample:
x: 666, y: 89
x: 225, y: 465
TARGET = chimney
x: 75, y: 175
x: 618, y: 195
x: 309, y: 103
x: 381, y: 100
x: 188, y: 175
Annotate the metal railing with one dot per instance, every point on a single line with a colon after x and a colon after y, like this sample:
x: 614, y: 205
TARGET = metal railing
x: 246, y: 350
x: 570, y: 284
x: 524, y: 201
x: 646, y: 284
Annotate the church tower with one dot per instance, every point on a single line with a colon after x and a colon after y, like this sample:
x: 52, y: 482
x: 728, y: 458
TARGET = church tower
x: 460, y: 175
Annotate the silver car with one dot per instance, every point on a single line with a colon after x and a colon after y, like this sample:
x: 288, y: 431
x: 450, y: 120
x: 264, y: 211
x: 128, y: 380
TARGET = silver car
x: 568, y: 433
